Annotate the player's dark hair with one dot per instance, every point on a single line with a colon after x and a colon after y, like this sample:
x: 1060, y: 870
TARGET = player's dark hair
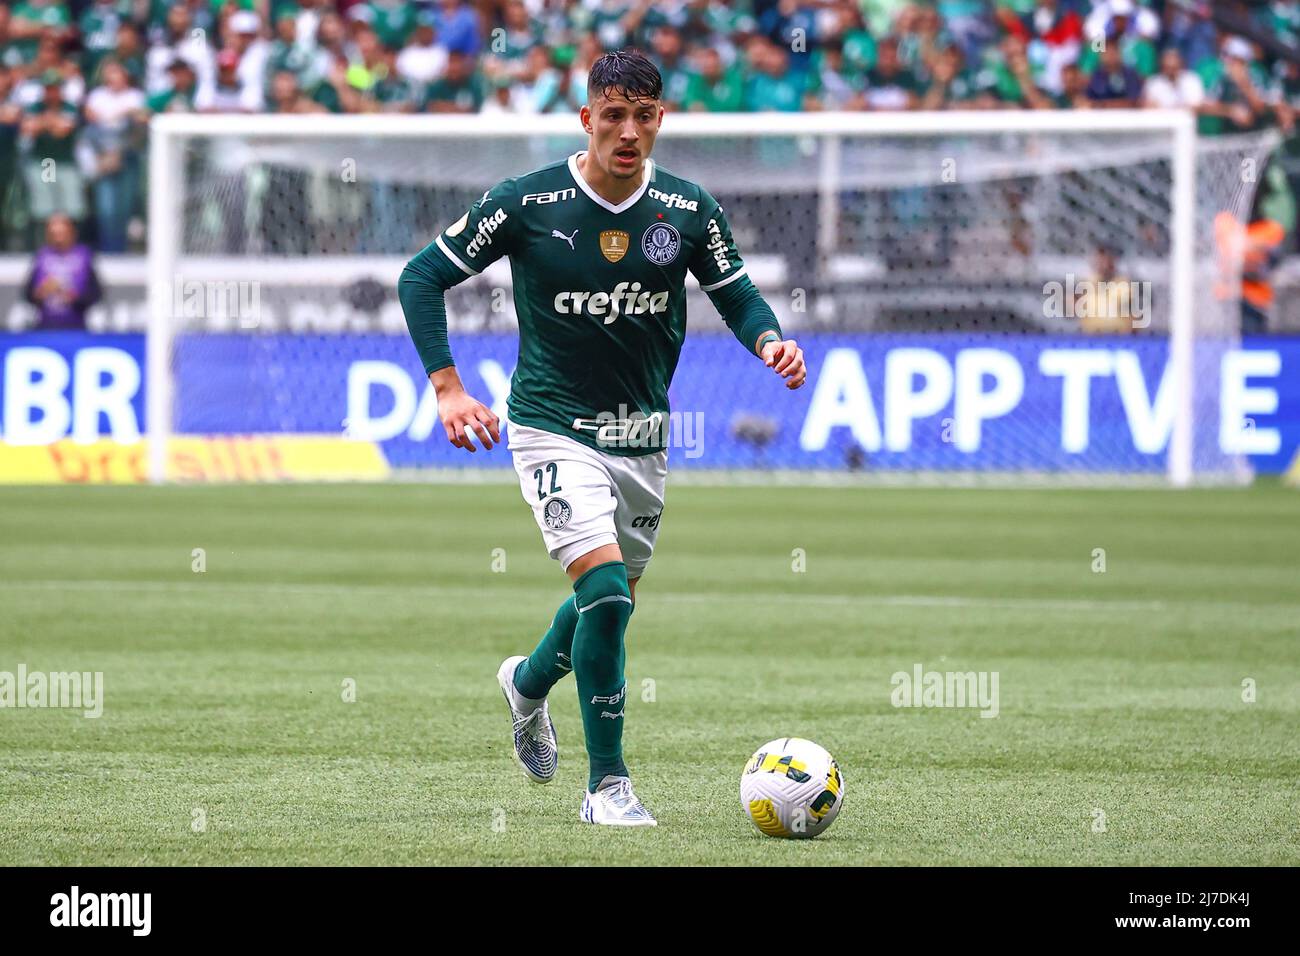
x: 626, y: 72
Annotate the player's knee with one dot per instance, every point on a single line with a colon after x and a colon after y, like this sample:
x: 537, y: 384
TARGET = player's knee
x: 604, y: 603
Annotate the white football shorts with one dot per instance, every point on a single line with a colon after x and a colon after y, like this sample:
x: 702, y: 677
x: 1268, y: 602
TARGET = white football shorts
x: 584, y: 498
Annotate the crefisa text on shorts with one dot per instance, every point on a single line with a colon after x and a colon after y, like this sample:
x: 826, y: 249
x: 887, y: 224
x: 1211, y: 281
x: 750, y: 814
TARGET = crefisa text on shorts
x: 632, y: 428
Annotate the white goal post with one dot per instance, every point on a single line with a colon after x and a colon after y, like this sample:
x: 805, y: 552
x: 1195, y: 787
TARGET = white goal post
x: 826, y: 155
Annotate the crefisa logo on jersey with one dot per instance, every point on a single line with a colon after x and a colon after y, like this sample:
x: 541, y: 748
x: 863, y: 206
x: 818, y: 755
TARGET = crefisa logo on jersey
x: 675, y: 200
x: 483, y: 232
x: 661, y: 243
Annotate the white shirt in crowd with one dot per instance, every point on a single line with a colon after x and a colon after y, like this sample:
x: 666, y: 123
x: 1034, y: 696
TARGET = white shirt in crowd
x: 194, y: 50
x: 112, y: 109
x: 1163, y: 93
x: 422, y: 64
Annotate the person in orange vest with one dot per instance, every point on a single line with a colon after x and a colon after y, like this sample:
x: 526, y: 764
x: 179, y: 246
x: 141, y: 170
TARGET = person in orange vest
x: 1252, y: 248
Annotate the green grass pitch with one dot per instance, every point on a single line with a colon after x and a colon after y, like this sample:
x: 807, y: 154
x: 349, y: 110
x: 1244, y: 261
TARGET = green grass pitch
x: 1122, y: 736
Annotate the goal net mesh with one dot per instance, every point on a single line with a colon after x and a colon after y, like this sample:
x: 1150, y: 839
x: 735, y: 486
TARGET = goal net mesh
x: 898, y: 247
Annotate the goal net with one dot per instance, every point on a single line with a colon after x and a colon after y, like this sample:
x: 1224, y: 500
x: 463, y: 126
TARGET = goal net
x: 978, y: 294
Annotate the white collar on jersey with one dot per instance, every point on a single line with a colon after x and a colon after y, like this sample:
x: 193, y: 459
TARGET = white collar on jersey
x: 647, y: 173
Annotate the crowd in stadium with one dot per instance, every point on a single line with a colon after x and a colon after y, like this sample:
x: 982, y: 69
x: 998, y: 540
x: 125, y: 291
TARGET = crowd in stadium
x: 79, y: 79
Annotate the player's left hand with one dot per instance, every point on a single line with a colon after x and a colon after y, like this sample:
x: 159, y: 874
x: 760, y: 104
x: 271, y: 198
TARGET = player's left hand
x: 786, y: 359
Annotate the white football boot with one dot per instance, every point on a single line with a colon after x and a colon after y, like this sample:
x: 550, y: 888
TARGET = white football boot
x: 615, y: 805
x: 535, y: 748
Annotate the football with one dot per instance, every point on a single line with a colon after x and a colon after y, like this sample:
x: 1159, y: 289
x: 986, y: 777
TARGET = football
x: 791, y: 788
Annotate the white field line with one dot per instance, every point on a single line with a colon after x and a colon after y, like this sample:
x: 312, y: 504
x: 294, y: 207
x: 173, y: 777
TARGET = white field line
x: 1117, y: 605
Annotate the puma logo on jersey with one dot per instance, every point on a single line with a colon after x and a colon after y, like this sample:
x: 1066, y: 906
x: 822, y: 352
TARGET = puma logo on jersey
x: 556, y: 234
x: 624, y: 300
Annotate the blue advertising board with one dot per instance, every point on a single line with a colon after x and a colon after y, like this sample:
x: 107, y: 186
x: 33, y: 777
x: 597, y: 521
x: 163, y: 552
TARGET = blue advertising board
x: 876, y: 402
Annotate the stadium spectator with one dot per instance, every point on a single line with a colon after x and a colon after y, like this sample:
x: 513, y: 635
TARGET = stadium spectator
x: 393, y: 21
x: 1074, y: 89
x: 1015, y: 81
x: 952, y: 87
x: 129, y: 52
x: 846, y: 25
x: 99, y: 24
x: 920, y: 35
x: 1136, y: 28
x: 368, y: 71
x: 771, y: 85
x: 243, y: 36
x: 1053, y: 37
x: 391, y: 92
x: 457, y: 26
x: 1233, y: 97
x: 714, y: 87
x: 1114, y: 84
x: 34, y: 19
x: 178, y: 95
x: 307, y: 64
x: 423, y: 59
x: 890, y: 85
x: 832, y: 83
x: 177, y: 38
x: 331, y: 37
x: 113, y: 113
x: 1174, y: 86
x: 62, y: 283
x: 668, y: 54
x: 967, y: 24
x: 287, y: 96
x: 50, y: 60
x: 570, y: 89
x: 228, y: 92
x: 47, y: 143
x: 307, y: 19
x: 511, y: 42
x: 11, y: 117
x: 459, y: 90
x: 1103, y: 305
x: 534, y: 89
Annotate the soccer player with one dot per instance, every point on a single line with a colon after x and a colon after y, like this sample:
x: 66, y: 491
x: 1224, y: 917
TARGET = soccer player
x: 599, y: 246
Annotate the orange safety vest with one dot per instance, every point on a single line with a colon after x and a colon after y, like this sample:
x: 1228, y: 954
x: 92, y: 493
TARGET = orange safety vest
x: 1249, y: 248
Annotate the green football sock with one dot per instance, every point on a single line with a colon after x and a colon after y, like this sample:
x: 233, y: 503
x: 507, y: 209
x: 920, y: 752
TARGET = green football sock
x: 538, y: 673
x: 604, y: 603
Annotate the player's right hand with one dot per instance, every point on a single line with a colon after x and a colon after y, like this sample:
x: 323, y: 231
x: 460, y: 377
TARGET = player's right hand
x: 460, y: 413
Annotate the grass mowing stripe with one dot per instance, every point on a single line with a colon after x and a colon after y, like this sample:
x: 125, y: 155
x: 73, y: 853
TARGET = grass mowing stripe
x: 882, y: 600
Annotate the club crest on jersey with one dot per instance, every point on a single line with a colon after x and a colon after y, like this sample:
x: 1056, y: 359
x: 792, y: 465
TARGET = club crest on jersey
x: 556, y: 513
x: 661, y: 243
x: 613, y: 244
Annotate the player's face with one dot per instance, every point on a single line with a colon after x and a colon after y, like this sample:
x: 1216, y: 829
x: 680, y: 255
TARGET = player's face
x: 622, y: 132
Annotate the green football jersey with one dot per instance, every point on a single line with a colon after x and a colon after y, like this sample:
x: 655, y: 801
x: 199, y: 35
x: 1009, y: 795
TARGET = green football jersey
x: 600, y: 292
